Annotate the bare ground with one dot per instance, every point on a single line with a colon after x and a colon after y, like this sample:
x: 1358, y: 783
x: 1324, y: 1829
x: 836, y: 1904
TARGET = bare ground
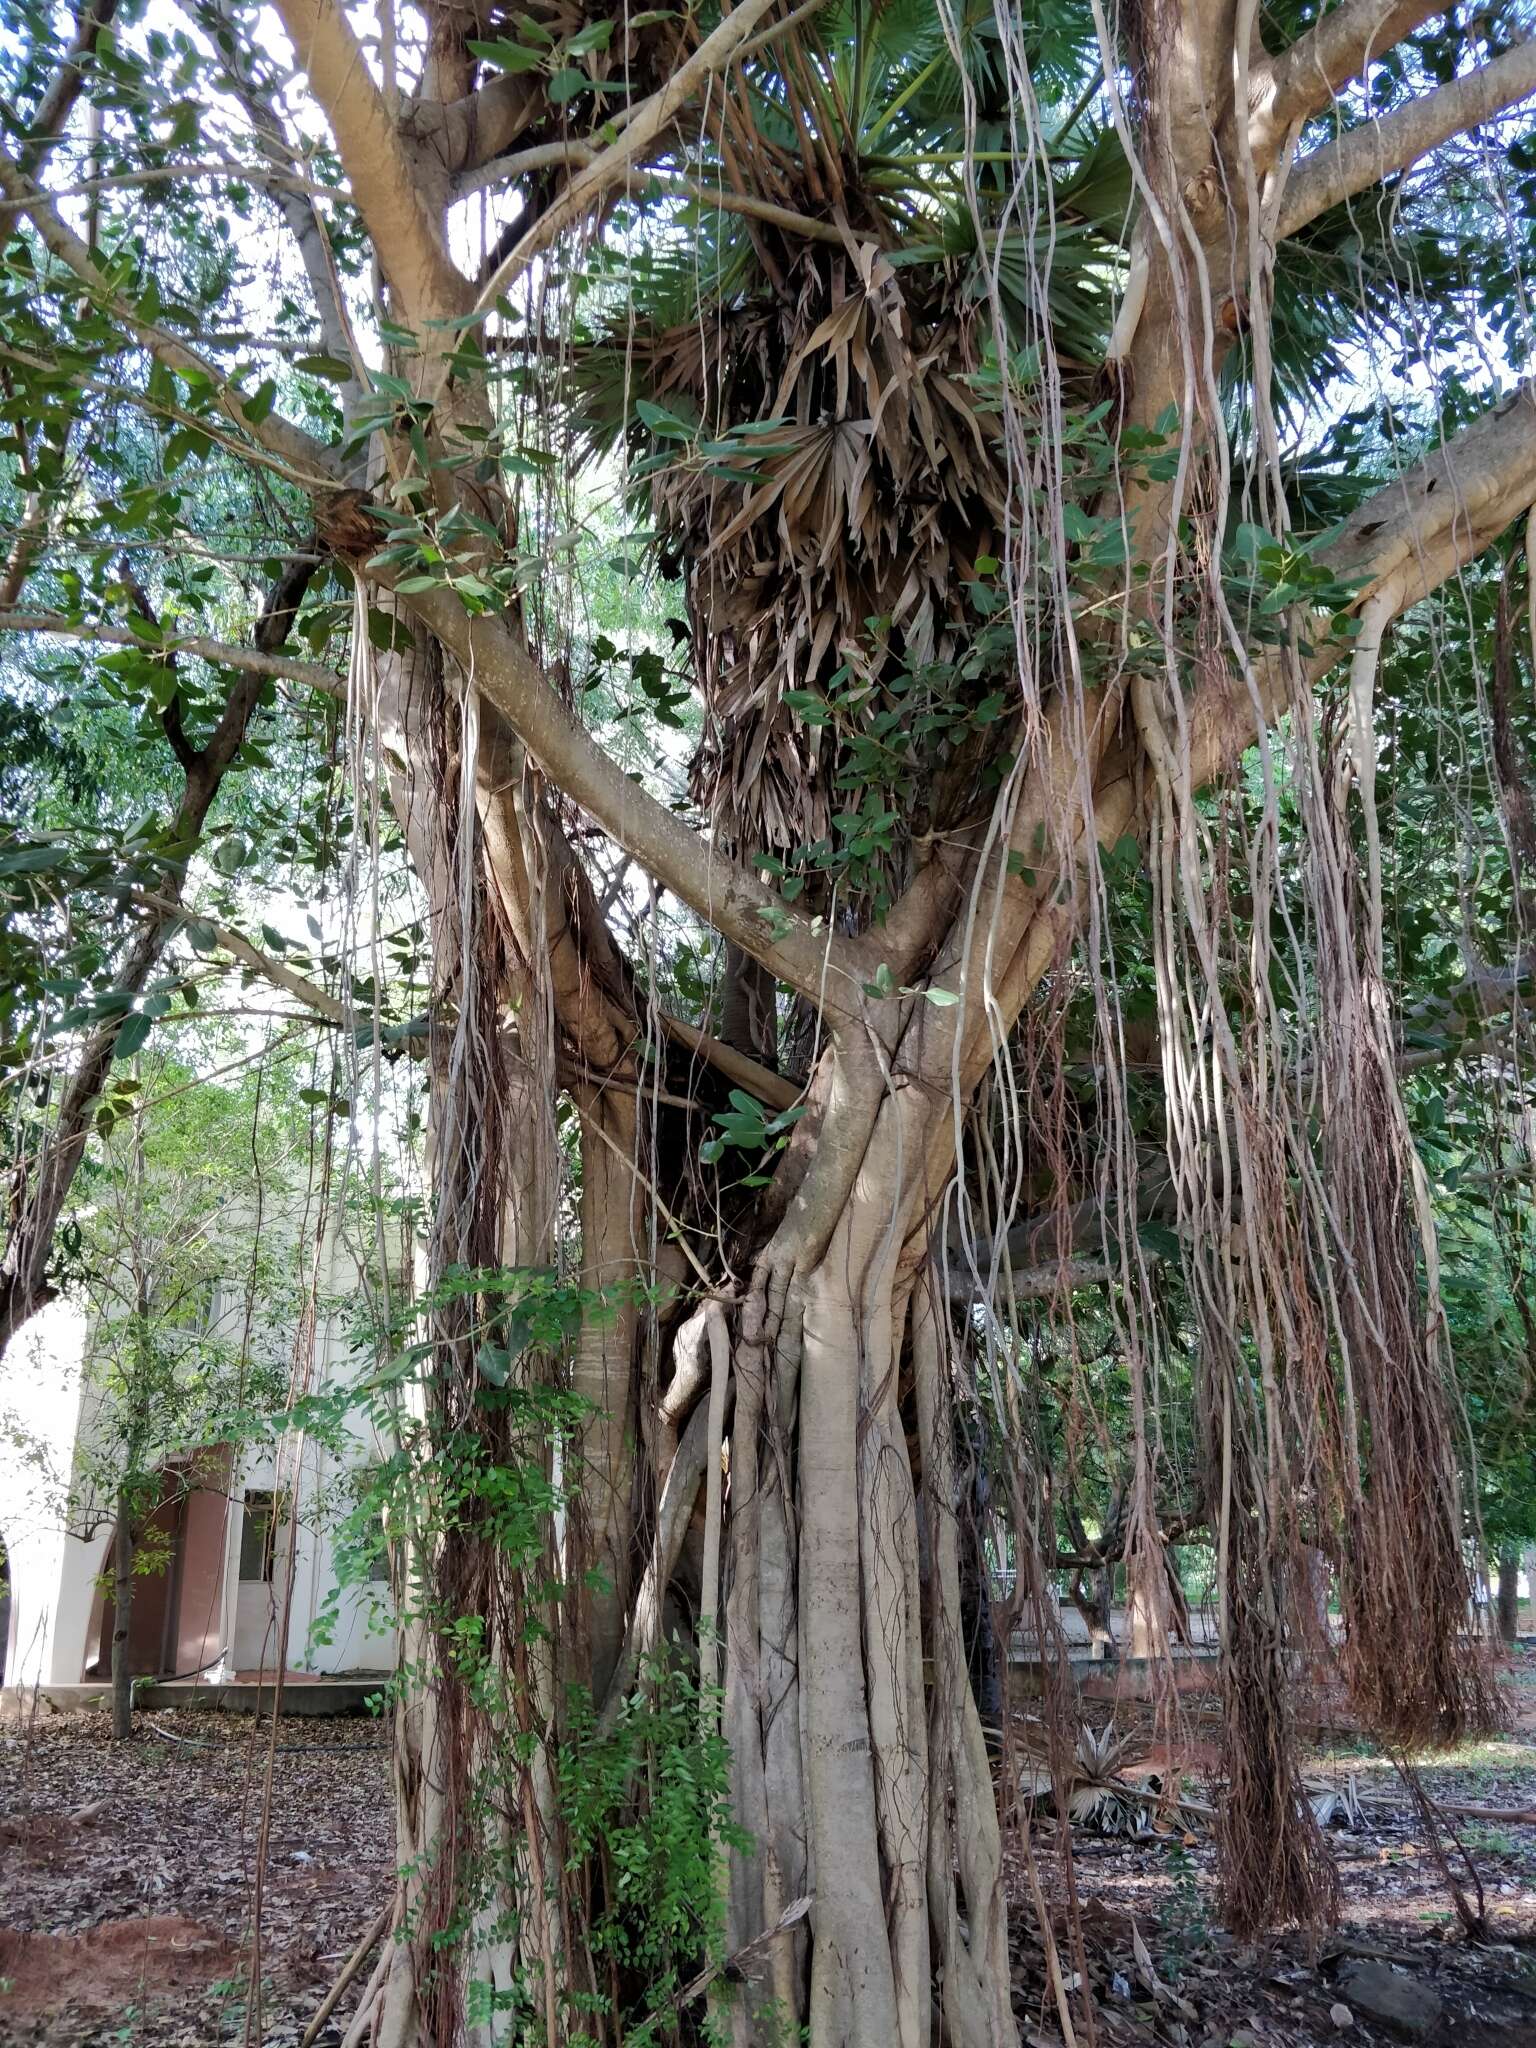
x: 130, y: 1923
x: 1397, y: 1918
x: 127, y: 1892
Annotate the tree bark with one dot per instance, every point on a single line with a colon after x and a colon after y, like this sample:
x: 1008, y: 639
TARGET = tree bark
x: 122, y: 1611
x: 1150, y: 1607
x: 1509, y: 1596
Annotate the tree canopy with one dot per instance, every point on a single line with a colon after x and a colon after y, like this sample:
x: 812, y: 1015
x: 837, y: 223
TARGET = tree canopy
x: 857, y: 679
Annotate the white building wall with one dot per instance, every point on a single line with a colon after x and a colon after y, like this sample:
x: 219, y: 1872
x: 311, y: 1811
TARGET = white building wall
x: 39, y: 1418
x: 55, y: 1576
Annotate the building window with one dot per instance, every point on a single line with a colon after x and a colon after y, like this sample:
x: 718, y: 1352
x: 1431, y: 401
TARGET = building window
x: 378, y: 1561
x: 258, y: 1539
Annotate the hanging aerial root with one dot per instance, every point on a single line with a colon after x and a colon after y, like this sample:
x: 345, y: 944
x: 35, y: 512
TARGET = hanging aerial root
x: 1429, y: 1684
x: 1275, y: 1866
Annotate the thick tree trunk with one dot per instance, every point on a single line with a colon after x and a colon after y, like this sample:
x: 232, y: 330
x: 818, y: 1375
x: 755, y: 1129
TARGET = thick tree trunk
x: 834, y: 1604
x: 122, y: 1612
x: 1509, y: 1595
x: 1149, y: 1604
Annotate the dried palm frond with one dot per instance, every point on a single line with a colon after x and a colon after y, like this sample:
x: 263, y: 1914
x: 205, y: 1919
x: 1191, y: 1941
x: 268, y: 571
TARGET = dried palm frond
x: 1335, y: 1806
x: 817, y: 424
x: 844, y: 555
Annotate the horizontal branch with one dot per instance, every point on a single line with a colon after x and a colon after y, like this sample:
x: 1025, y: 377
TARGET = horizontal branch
x: 1039, y: 1283
x: 262, y: 176
x: 280, y: 667
x: 1439, y: 515
x: 329, y: 1008
x: 774, y: 1089
x: 1305, y: 78
x: 1177, y: 1526
x: 1362, y: 157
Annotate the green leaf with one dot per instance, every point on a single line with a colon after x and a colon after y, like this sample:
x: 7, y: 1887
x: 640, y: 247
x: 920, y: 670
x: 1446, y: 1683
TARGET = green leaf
x: 259, y: 406
x: 331, y: 368
x: 493, y: 1363
x: 566, y: 84
x: 1158, y: 1239
x: 597, y: 35
x: 388, y: 633
x: 661, y: 422
x: 507, y: 56
x: 29, y: 860
x: 135, y: 1029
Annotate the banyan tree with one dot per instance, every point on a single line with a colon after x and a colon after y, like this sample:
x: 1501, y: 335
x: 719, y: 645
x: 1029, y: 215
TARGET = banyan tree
x: 942, y: 929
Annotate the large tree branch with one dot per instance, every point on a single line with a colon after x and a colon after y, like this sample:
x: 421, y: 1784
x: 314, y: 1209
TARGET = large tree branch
x: 1362, y: 157
x: 1441, y: 513
x: 774, y: 1089
x: 827, y: 967
x: 1302, y: 80
x: 1402, y: 543
x: 385, y: 190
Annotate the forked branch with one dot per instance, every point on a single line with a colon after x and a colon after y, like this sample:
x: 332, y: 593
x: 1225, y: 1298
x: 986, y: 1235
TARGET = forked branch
x: 1364, y: 156
x: 1302, y: 80
x: 384, y: 183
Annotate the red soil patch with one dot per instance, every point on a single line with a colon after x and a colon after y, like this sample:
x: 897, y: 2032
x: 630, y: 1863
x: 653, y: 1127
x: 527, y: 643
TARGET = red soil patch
x: 121, y: 1963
